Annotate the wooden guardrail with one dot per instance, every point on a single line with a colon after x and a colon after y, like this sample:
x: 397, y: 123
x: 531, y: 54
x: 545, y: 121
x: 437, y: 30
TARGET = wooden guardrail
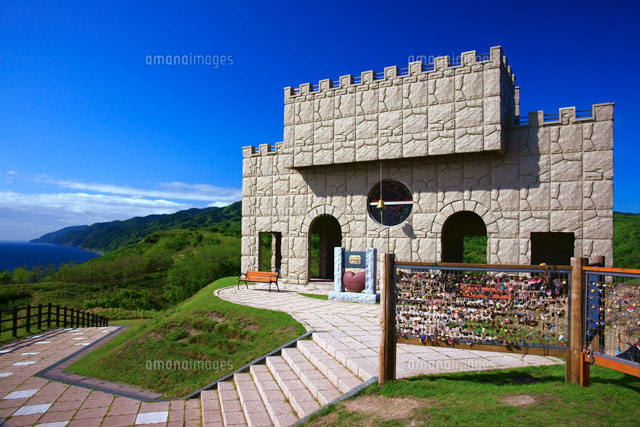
x: 48, y: 315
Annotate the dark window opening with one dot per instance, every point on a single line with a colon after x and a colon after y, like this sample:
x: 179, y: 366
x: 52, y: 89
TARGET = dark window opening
x: 552, y: 248
x: 270, y: 251
x: 464, y: 238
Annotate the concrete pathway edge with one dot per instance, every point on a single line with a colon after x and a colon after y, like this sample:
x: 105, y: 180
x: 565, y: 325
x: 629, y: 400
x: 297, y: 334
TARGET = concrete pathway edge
x: 106, y: 386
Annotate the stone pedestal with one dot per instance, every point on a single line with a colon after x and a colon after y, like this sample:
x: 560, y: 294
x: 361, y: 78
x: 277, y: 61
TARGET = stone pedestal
x: 369, y: 295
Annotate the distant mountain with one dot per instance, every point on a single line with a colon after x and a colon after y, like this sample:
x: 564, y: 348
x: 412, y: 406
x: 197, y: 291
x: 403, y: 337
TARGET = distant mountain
x: 109, y: 236
x: 55, y: 236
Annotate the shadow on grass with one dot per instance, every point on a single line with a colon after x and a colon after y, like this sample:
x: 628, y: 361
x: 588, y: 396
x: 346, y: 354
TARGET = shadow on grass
x: 511, y: 377
x: 525, y: 376
x: 627, y: 381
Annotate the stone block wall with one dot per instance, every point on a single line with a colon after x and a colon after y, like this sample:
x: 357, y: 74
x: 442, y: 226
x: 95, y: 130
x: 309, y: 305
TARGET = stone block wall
x: 549, y: 173
x: 429, y: 110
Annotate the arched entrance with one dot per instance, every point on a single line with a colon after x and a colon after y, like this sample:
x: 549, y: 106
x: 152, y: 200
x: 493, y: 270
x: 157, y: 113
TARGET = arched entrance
x: 324, y: 235
x: 458, y: 226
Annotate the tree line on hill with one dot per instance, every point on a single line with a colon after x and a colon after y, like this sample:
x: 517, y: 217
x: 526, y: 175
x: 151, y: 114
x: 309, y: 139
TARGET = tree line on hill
x: 108, y: 236
x: 163, y: 269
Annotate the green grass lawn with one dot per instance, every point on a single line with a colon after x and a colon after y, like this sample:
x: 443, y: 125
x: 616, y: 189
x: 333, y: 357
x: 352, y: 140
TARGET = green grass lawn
x: 316, y: 296
x: 7, y: 337
x: 515, y: 397
x: 202, y: 329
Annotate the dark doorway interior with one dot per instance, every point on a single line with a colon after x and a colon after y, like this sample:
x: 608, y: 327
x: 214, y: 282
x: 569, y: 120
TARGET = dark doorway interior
x: 324, y: 235
x: 456, y: 228
x: 270, y: 252
x: 552, y: 248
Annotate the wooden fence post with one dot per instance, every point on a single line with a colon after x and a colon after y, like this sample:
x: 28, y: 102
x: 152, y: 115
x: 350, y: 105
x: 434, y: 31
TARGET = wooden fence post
x: 15, y: 322
x: 77, y: 318
x: 387, y: 323
x: 576, y: 328
x: 585, y: 366
x: 28, y: 319
x: 49, y: 315
x: 39, y: 316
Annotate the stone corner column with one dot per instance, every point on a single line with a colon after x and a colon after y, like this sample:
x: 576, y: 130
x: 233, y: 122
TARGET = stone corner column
x: 371, y: 271
x: 338, y: 269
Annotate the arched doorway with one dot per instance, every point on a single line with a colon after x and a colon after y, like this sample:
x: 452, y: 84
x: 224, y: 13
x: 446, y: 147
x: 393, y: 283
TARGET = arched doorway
x: 459, y: 230
x: 324, y: 235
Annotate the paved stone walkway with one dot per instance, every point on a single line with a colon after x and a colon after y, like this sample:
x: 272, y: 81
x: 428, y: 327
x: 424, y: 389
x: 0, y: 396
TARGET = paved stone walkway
x: 27, y: 400
x: 350, y: 332
x: 354, y: 329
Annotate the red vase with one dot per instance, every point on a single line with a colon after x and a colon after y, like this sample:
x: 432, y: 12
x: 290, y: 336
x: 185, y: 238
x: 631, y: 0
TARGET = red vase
x: 354, y: 282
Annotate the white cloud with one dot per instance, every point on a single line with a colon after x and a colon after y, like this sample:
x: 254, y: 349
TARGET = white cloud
x: 173, y: 190
x: 10, y: 172
x: 86, y: 203
x: 26, y: 216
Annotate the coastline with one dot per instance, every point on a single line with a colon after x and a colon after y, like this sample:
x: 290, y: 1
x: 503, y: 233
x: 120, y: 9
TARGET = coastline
x: 61, y: 245
x: 14, y: 254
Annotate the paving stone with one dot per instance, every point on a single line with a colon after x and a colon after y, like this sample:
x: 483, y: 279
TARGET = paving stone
x: 20, y: 394
x: 32, y: 409
x: 90, y: 413
x: 123, y: 409
x: 152, y: 417
x: 55, y: 424
x: 25, y: 420
x: 58, y: 416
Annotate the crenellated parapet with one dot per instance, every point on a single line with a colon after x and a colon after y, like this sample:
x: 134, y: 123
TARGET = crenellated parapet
x: 262, y: 150
x: 565, y: 116
x: 464, y: 63
x: 452, y: 105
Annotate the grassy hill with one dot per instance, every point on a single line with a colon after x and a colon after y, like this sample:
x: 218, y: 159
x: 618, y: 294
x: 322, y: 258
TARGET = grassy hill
x: 109, y: 236
x: 202, y: 328
x: 137, y: 280
x: 626, y: 240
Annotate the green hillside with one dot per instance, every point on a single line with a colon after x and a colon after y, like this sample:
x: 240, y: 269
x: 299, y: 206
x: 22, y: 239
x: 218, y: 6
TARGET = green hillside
x: 202, y: 328
x: 626, y: 240
x: 137, y: 280
x: 109, y: 236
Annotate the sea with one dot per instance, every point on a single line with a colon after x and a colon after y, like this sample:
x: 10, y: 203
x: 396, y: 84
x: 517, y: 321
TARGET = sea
x: 18, y: 254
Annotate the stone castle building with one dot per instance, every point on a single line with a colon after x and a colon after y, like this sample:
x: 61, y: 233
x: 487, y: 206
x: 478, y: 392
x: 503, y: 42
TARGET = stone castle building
x: 445, y: 146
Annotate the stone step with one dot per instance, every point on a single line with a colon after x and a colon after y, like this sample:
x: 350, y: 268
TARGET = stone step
x: 300, y: 398
x: 211, y: 414
x: 280, y: 411
x: 362, y: 360
x: 336, y: 372
x: 254, y: 410
x: 319, y: 385
x: 232, y: 414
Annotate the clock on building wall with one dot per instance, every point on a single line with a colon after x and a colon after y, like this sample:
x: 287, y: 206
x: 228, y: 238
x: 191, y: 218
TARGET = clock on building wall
x: 396, y: 205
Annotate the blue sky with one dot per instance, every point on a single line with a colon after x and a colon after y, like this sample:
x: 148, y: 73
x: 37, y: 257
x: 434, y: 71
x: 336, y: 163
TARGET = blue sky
x: 89, y: 132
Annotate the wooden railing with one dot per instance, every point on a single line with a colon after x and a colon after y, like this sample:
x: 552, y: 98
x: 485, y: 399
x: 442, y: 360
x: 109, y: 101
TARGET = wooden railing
x: 47, y: 316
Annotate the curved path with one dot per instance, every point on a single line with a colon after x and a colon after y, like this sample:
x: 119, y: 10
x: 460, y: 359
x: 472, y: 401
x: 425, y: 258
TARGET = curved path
x: 350, y: 332
x: 27, y: 400
x: 354, y: 328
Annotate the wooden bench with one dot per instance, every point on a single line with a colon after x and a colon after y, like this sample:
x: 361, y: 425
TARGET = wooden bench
x: 259, y: 277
